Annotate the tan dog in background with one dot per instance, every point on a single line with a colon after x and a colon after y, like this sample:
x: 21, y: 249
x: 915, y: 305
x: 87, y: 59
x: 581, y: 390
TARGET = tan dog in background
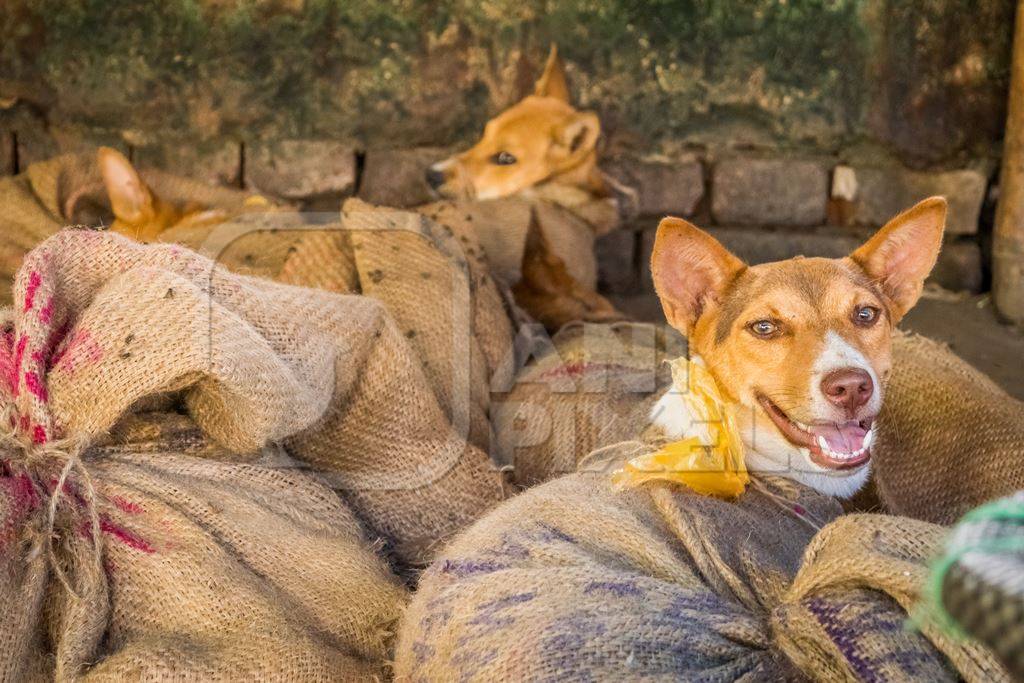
x: 803, y: 346
x: 540, y: 140
x: 539, y: 148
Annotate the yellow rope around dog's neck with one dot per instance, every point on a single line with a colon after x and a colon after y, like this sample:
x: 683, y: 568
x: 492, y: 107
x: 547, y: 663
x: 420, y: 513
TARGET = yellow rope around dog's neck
x: 712, y: 467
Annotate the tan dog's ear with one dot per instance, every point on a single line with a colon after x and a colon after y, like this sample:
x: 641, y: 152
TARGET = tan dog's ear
x: 900, y: 255
x: 690, y: 268
x: 552, y: 81
x: 130, y: 199
x: 575, y: 139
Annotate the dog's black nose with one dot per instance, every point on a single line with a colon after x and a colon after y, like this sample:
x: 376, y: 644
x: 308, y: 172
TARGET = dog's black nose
x: 435, y: 178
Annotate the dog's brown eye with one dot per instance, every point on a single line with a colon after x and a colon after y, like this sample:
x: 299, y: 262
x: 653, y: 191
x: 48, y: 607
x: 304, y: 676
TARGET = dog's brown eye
x: 865, y: 315
x: 503, y: 159
x: 764, y: 328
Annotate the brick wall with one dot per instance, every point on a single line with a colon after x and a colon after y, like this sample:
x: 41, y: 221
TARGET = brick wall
x: 762, y: 207
x: 768, y: 209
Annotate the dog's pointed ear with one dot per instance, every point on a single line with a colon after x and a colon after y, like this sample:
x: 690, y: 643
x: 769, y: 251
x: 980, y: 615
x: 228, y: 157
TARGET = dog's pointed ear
x: 900, y: 255
x: 690, y: 269
x: 130, y: 199
x: 575, y: 139
x: 552, y: 82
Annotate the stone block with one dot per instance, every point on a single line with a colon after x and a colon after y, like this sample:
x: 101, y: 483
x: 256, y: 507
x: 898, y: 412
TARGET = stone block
x: 785, y: 192
x: 397, y: 177
x: 876, y: 194
x: 215, y: 164
x: 301, y: 170
x: 38, y: 143
x: 664, y: 188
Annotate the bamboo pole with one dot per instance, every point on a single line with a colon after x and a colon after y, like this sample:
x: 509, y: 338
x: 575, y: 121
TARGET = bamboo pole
x: 1008, y: 234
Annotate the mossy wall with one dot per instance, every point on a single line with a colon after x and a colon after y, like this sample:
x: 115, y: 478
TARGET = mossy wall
x: 923, y: 81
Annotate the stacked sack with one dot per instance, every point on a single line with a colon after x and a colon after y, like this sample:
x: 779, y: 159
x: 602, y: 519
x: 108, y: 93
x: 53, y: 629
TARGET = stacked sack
x: 569, y: 219
x: 436, y: 284
x: 573, y: 580
x: 68, y: 189
x: 538, y: 252
x: 587, y: 387
x: 373, y: 426
x: 128, y: 550
x: 950, y: 438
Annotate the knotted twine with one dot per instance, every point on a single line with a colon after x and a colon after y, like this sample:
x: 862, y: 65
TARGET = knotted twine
x: 35, y: 338
x: 31, y: 460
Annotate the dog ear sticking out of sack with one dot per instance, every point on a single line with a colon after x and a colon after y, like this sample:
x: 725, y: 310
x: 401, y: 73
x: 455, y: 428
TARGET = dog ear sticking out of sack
x: 803, y: 345
x: 139, y: 212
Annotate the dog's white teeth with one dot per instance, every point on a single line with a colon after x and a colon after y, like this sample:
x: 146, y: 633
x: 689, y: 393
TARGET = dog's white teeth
x: 839, y: 455
x: 867, y: 439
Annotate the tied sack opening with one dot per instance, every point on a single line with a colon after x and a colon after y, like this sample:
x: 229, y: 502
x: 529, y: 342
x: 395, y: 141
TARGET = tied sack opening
x: 123, y: 562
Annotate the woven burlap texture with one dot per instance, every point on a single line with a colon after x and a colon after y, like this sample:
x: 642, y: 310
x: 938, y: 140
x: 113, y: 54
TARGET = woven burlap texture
x: 950, y: 438
x: 573, y: 580
x: 152, y: 563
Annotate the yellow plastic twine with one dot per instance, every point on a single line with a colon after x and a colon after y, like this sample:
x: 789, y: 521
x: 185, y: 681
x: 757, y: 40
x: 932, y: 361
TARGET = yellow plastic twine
x: 715, y: 468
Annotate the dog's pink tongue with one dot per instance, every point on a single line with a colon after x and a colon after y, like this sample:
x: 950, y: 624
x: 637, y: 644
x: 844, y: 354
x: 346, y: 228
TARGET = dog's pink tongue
x: 845, y: 438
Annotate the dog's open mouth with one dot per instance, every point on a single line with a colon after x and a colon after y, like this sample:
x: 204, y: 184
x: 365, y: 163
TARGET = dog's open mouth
x: 835, y: 446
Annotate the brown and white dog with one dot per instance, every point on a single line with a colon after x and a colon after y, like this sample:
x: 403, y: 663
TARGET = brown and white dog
x: 803, y: 346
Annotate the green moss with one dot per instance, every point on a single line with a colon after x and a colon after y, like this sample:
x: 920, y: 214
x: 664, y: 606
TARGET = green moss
x: 812, y: 73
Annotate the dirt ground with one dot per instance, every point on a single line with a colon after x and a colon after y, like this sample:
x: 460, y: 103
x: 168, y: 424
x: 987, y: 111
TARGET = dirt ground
x: 972, y: 330
x: 967, y: 324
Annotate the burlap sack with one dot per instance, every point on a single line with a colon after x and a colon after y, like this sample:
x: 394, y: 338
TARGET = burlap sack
x: 436, y: 285
x: 124, y: 555
x: 572, y: 580
x: 950, y: 438
x: 542, y: 248
x: 331, y: 376
x: 201, y: 570
x: 588, y: 387
x: 569, y: 218
x: 69, y: 190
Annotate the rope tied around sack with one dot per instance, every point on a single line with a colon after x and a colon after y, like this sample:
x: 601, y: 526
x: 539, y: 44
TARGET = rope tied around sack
x: 35, y: 458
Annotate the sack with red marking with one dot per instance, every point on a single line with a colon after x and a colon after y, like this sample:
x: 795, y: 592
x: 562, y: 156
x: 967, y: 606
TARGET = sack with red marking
x: 140, y: 547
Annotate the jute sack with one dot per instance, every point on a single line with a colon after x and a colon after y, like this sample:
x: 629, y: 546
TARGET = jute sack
x: 436, y: 285
x: 569, y: 218
x: 950, y: 438
x: 542, y: 248
x: 126, y: 556
x: 573, y: 580
x: 588, y: 387
x: 68, y: 189
x: 332, y: 377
